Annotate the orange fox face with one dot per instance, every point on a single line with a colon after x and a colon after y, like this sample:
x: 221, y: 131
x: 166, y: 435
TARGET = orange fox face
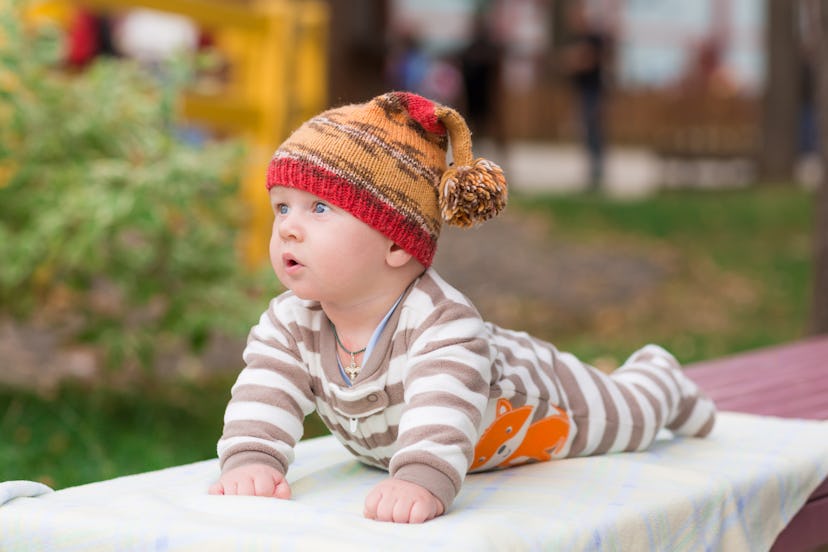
x: 511, y: 440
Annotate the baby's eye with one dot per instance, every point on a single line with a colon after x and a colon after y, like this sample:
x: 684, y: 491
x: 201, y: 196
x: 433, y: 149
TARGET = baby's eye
x: 281, y: 209
x: 320, y: 207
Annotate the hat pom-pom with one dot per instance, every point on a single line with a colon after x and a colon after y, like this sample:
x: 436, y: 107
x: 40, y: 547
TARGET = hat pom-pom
x: 472, y: 194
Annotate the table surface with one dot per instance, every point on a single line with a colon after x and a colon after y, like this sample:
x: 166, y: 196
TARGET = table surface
x: 789, y: 381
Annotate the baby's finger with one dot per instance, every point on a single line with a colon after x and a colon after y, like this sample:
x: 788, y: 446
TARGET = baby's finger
x: 422, y: 511
x: 264, y: 486
x: 246, y: 487
x: 371, y: 502
x: 282, y: 489
x: 402, y: 511
x: 385, y: 508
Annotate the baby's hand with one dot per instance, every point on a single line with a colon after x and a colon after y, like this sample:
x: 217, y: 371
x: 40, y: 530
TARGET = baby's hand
x: 252, y: 480
x: 401, y: 502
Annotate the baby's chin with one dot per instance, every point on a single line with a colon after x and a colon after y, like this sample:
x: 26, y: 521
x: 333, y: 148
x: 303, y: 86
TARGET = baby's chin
x: 285, y: 285
x: 304, y: 296
x: 299, y: 292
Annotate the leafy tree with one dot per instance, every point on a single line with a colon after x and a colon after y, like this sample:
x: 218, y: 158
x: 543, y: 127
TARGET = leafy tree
x: 112, y: 227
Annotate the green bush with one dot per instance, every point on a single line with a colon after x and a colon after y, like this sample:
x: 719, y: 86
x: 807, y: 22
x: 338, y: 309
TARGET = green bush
x: 111, y: 227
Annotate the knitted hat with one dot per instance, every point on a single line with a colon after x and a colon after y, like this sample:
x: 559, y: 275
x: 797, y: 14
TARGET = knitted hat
x: 384, y: 162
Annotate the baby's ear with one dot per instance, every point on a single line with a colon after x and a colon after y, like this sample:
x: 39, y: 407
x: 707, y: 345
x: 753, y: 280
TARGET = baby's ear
x: 397, y: 256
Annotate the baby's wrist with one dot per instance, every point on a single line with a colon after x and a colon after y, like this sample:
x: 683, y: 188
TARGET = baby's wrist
x: 250, y: 458
x: 431, y: 479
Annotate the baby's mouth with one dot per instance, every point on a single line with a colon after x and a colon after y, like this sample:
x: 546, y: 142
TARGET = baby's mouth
x: 290, y: 261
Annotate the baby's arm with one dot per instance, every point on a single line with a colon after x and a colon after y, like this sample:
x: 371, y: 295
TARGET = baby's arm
x: 252, y: 480
x: 401, y: 502
x: 263, y: 420
x: 446, y: 382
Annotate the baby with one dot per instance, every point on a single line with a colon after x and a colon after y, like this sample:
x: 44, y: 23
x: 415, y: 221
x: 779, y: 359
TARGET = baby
x: 397, y: 363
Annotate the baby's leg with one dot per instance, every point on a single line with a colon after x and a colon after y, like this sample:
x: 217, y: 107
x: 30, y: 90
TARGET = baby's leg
x: 625, y: 410
x: 655, y: 375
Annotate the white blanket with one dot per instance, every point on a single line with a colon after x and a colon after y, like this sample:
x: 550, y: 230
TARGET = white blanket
x: 735, y: 490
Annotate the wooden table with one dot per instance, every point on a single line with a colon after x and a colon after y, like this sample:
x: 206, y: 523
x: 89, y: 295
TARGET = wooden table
x: 790, y: 381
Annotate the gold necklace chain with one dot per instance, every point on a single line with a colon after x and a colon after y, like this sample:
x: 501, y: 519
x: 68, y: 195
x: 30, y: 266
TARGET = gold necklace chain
x: 353, y: 368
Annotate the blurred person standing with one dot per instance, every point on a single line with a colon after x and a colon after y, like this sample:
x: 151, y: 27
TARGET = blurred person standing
x: 407, y: 63
x: 480, y: 65
x: 411, y: 67
x: 808, y: 139
x: 707, y: 75
x: 585, y: 62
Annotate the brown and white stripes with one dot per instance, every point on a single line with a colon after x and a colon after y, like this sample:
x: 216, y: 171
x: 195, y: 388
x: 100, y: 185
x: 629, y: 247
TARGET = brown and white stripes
x: 434, y: 388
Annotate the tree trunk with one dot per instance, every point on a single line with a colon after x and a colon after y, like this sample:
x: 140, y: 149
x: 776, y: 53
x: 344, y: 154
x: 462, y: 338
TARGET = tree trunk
x: 819, y: 313
x: 780, y: 104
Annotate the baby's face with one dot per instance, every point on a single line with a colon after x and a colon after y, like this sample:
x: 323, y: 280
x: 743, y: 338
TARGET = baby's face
x: 321, y: 252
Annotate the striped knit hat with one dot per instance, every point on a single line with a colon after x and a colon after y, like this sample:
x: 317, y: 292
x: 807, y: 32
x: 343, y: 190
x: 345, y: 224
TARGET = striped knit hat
x: 384, y: 162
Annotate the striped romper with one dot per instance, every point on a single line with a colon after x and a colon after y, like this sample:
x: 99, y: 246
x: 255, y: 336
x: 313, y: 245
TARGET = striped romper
x: 444, y: 393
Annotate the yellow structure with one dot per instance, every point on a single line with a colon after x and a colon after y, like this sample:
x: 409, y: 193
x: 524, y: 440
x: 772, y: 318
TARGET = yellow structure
x: 276, y: 51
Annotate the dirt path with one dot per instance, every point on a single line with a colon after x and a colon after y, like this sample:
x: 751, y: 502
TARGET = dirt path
x: 521, y: 278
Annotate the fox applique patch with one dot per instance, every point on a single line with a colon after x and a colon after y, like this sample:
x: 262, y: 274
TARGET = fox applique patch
x: 511, y: 440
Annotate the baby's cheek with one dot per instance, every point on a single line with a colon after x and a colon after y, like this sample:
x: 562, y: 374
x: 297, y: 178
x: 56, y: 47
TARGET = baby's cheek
x: 275, y: 253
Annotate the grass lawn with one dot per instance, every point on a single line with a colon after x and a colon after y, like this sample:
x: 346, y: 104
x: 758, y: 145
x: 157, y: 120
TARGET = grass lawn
x: 739, y: 278
x: 740, y: 268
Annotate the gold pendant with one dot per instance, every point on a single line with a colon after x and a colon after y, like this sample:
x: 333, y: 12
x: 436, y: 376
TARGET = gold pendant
x: 353, y: 369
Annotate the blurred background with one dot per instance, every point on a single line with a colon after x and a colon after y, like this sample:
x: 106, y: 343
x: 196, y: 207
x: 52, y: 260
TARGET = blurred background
x: 664, y: 162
